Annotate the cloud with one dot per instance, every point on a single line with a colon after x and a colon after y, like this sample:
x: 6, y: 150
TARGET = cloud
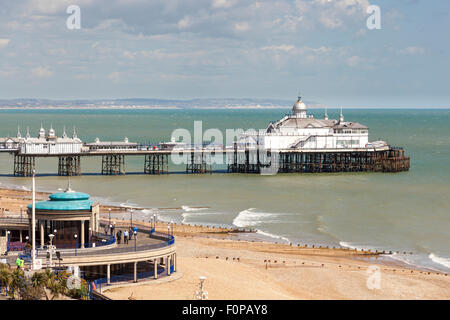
x: 41, y: 72
x: 222, y: 3
x: 411, y: 51
x: 241, y: 26
x: 4, y: 42
x: 282, y: 47
x: 114, y: 76
x: 184, y: 23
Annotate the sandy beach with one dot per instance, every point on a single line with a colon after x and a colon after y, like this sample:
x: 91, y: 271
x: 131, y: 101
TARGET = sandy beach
x: 237, y: 266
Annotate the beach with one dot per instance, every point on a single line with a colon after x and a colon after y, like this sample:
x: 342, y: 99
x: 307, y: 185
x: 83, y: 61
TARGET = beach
x: 241, y: 266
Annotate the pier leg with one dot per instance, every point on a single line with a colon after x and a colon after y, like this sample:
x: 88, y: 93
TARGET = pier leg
x: 69, y: 166
x: 113, y: 164
x: 24, y: 165
x: 156, y: 164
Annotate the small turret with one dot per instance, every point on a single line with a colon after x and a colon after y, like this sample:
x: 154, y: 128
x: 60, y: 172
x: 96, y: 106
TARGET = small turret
x: 341, y: 117
x: 51, y: 132
x: 64, y: 135
x: 18, y: 132
x: 326, y: 114
x: 42, y: 132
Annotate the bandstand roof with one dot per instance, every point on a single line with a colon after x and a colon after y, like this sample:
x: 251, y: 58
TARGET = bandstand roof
x: 65, y: 201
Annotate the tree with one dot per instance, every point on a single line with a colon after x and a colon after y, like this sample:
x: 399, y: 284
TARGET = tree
x: 17, y: 283
x: 5, y: 276
x: 56, y: 286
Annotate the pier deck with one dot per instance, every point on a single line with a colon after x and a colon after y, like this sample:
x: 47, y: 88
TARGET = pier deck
x: 241, y: 160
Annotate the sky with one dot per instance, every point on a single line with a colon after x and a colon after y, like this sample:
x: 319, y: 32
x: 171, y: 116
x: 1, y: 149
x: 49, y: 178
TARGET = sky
x: 183, y: 49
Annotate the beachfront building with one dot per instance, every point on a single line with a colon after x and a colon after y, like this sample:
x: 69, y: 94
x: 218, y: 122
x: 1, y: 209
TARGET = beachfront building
x: 65, y: 215
x: 300, y: 131
x: 124, y: 145
x: 50, y: 143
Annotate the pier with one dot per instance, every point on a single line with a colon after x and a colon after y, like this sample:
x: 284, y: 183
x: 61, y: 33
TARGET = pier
x: 238, y: 160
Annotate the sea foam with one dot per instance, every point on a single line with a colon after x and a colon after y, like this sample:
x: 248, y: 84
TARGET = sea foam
x: 439, y: 260
x: 251, y: 218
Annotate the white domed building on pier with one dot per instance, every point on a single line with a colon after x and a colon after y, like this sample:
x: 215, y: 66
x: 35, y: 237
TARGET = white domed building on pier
x: 301, y: 131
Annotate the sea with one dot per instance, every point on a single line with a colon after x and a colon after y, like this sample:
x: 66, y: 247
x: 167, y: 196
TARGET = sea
x: 400, y: 212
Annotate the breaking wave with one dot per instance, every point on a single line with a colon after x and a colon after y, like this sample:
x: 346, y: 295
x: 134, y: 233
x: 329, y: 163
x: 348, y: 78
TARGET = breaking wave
x: 251, y: 218
x: 439, y: 260
x: 274, y: 236
x: 190, y: 209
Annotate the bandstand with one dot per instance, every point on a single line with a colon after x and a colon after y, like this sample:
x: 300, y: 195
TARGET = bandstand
x: 70, y: 216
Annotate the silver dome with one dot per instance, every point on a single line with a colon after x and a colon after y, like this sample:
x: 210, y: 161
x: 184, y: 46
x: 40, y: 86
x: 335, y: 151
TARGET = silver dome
x: 299, y: 106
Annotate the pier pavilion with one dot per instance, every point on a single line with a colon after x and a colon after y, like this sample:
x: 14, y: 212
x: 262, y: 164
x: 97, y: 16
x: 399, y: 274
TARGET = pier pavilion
x: 70, y: 216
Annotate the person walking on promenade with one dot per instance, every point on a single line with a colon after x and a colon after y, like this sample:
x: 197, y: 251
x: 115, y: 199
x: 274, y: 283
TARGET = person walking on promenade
x: 130, y: 232
x: 125, y: 236
x: 119, y: 236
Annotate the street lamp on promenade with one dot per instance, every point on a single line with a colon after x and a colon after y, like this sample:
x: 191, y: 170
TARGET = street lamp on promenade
x: 26, y: 250
x: 8, y: 240
x: 131, y: 212
x: 55, y: 232
x: 76, y: 243
x: 50, y: 249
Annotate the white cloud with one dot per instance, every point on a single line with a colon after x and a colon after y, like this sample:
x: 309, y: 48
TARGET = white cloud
x: 222, y: 3
x: 129, y: 55
x: 411, y: 51
x: 114, y: 76
x: 4, y: 42
x: 41, y: 72
x: 184, y: 23
x: 355, y: 61
x: 58, y: 52
x: 241, y: 26
x: 282, y: 47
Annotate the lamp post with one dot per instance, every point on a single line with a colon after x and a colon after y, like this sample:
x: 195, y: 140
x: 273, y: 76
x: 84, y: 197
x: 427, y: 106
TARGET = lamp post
x: 111, y: 229
x: 154, y: 221
x: 131, y: 212
x: 7, y: 239
x: 50, y: 249
x: 109, y: 211
x: 21, y: 207
x: 135, y: 236
x: 76, y: 243
x: 55, y: 232
x: 171, y: 225
x: 168, y: 231
x: 26, y: 249
x: 33, y: 222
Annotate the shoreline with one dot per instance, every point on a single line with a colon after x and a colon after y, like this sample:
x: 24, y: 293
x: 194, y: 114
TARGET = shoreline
x: 207, y: 229
x: 241, y: 265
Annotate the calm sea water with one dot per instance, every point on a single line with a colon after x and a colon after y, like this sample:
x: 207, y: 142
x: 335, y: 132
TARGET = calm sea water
x: 404, y: 211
